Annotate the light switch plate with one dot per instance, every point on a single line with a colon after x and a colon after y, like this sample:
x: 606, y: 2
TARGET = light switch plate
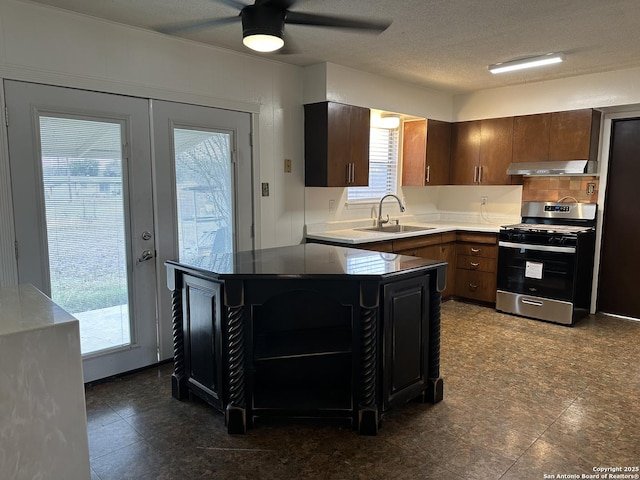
x: 265, y: 189
x: 287, y: 165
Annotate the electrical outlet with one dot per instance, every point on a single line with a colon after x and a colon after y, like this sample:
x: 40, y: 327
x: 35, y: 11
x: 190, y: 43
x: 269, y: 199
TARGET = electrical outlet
x: 265, y: 189
x: 591, y: 188
x: 287, y: 165
x: 484, y: 200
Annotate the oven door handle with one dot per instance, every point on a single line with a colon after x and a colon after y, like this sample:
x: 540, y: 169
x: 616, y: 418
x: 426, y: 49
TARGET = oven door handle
x: 535, y: 303
x: 537, y: 248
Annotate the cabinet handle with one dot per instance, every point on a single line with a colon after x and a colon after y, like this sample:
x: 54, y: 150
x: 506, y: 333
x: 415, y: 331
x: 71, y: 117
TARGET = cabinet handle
x: 428, y: 173
x: 351, y: 172
x: 475, y: 250
x: 480, y: 174
x: 473, y: 287
x: 474, y: 265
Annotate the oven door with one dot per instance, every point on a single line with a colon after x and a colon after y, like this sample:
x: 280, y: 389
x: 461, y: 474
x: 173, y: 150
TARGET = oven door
x: 537, y: 270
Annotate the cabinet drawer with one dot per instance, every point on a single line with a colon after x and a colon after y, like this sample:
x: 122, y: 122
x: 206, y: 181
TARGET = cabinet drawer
x: 478, y: 250
x: 476, y: 285
x: 472, y: 262
x: 477, y: 237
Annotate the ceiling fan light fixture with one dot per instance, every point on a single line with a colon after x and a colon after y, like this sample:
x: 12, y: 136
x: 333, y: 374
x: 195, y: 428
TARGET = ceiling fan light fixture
x: 263, y: 43
x: 262, y: 28
x: 531, y: 62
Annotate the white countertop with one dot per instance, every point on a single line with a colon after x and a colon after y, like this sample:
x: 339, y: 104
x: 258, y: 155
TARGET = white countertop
x: 24, y: 307
x: 354, y: 236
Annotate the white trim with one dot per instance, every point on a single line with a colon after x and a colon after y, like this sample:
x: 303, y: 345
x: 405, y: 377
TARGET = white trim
x: 8, y: 263
x: 122, y: 88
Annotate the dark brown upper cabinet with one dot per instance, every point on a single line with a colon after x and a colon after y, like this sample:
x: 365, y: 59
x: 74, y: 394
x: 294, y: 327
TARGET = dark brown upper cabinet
x: 557, y: 136
x: 426, y: 152
x: 336, y: 145
x: 574, y: 135
x: 482, y: 151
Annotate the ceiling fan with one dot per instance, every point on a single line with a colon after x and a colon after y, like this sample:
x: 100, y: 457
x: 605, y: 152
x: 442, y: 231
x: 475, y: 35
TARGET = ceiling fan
x: 263, y: 23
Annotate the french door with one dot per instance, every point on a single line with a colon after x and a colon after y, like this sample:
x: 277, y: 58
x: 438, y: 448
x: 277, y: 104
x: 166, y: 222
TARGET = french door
x: 203, y: 156
x: 82, y: 194
x: 106, y: 188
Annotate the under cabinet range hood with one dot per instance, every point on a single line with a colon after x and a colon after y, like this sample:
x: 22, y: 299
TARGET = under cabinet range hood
x: 570, y: 167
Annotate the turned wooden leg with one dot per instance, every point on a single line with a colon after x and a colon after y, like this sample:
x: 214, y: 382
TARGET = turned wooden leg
x: 178, y: 380
x: 435, y: 388
x: 368, y: 416
x: 236, y: 412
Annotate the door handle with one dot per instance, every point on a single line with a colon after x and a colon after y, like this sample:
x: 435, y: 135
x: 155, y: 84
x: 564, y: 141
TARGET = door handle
x: 146, y: 255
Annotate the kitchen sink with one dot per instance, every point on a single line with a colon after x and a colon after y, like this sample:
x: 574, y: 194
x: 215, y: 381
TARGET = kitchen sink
x: 395, y: 229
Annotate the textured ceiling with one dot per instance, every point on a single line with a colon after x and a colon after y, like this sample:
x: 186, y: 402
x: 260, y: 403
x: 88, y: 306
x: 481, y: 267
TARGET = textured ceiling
x: 441, y: 44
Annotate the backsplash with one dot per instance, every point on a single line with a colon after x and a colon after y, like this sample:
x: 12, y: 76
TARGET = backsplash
x: 552, y: 189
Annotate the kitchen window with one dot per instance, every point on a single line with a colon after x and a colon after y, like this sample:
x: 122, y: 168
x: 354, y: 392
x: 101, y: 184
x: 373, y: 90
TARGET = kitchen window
x: 383, y: 166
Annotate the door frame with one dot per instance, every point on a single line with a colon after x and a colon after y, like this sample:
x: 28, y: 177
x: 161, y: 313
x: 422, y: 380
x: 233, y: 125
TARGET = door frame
x: 606, y: 131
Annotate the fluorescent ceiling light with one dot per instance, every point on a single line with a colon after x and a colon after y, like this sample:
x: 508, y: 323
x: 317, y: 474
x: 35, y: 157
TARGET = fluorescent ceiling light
x: 530, y: 62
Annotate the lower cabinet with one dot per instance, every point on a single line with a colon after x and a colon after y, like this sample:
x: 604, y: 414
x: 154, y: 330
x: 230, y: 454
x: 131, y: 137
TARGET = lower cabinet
x: 405, y: 340
x: 477, y: 255
x: 202, y: 336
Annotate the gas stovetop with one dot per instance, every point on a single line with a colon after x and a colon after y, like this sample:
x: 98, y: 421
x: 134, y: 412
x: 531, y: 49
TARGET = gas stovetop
x: 556, y: 218
x: 547, y: 228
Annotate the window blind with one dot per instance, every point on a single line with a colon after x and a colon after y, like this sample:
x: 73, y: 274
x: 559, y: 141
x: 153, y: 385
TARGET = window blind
x: 383, y: 166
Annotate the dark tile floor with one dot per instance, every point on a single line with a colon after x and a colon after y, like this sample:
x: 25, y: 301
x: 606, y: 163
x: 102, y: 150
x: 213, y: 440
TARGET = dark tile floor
x: 522, y: 399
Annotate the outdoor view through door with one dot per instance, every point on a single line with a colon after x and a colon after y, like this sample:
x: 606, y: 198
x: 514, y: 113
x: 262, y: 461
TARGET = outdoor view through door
x: 203, y: 193
x: 82, y: 169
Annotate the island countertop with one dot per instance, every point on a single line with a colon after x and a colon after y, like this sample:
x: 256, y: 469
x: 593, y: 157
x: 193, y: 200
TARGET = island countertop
x: 306, y: 260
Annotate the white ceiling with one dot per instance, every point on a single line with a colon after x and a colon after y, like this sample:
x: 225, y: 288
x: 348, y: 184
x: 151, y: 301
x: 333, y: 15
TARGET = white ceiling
x: 441, y: 44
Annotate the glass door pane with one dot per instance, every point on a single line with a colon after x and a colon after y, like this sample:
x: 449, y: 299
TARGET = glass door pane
x: 203, y: 193
x: 82, y: 171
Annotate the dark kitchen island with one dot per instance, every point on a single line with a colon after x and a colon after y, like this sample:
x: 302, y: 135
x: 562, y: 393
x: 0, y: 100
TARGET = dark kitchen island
x: 307, y: 331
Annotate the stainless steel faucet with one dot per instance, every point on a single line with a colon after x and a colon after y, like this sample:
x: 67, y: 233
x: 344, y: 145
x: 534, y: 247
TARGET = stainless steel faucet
x: 380, y: 221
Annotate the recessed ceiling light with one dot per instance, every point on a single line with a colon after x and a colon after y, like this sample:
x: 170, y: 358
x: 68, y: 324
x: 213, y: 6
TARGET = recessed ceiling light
x: 530, y: 62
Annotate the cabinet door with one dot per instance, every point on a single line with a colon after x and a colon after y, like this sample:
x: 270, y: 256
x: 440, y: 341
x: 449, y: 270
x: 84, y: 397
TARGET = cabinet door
x: 414, y: 153
x: 338, y: 144
x: 202, y: 310
x: 496, y: 151
x: 336, y: 138
x: 465, y: 152
x: 574, y: 134
x: 438, y: 152
x: 531, y: 138
x: 359, y: 126
x: 406, y: 335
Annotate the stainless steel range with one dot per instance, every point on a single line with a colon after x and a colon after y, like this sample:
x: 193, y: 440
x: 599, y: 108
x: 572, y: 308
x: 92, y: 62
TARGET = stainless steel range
x: 545, y: 263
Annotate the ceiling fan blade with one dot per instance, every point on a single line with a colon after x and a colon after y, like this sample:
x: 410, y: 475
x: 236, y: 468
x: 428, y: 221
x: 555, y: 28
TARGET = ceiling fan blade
x: 232, y: 3
x: 277, y: 4
x: 312, y: 19
x: 186, y: 27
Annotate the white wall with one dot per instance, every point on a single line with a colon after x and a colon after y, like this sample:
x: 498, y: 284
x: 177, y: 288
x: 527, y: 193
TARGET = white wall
x: 47, y: 45
x: 610, y: 89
